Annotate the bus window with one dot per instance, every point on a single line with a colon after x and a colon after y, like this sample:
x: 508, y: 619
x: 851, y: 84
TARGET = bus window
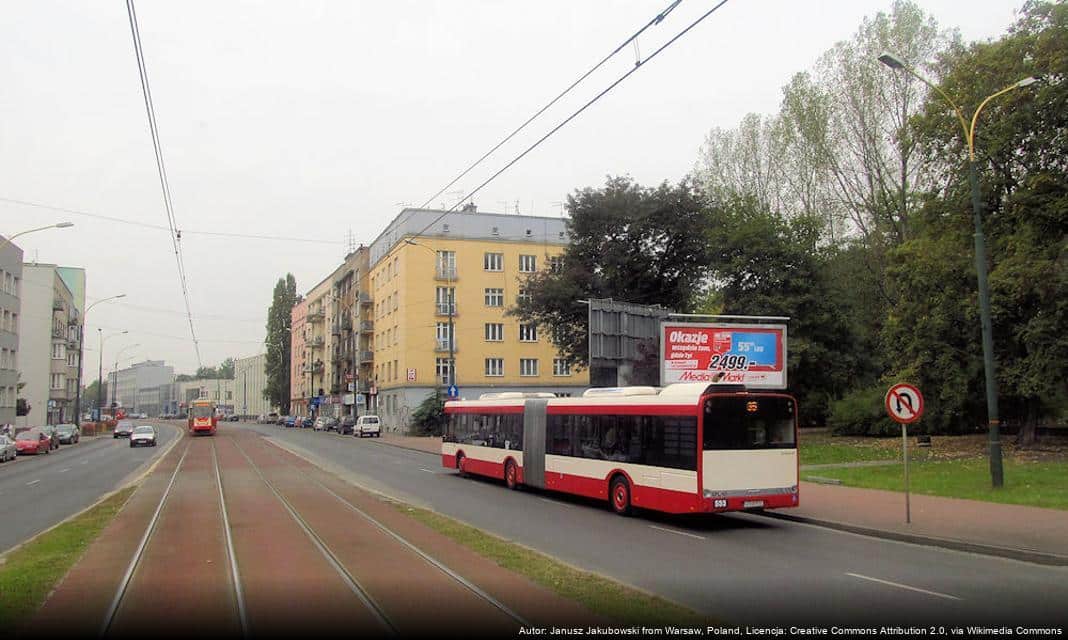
x: 753, y: 422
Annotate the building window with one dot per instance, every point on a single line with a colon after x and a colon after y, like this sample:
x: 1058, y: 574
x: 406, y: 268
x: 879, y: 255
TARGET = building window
x: 528, y: 366
x: 72, y: 359
x: 528, y: 264
x: 494, y: 297
x: 442, y: 371
x: 561, y: 367
x: 523, y: 296
x: 443, y: 335
x: 494, y: 367
x: 528, y: 333
x: 494, y: 332
x: 57, y: 381
x: 446, y: 300
x: 493, y: 262
x: 59, y: 351
x: 556, y: 264
x: 446, y: 265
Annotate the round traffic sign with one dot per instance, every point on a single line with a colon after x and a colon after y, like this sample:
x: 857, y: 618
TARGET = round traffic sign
x: 904, y: 403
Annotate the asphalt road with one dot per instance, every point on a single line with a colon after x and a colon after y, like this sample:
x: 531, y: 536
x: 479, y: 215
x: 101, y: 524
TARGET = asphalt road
x: 739, y: 568
x: 39, y: 491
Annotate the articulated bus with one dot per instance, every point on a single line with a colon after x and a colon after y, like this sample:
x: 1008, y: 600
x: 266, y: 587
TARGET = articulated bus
x: 203, y: 418
x: 684, y: 448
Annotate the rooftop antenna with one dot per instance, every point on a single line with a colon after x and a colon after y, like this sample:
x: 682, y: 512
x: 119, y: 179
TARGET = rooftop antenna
x: 517, y: 207
x: 504, y: 205
x: 350, y: 242
x: 561, y: 206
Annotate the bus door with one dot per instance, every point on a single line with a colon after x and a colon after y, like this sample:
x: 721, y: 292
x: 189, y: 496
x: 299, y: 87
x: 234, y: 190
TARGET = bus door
x: 534, y: 442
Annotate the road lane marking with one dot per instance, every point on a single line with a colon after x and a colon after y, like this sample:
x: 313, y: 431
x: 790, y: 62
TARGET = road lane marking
x: 64, y: 470
x: 556, y: 502
x: 681, y: 533
x: 904, y: 586
x: 427, y: 470
x: 33, y: 482
x: 85, y: 462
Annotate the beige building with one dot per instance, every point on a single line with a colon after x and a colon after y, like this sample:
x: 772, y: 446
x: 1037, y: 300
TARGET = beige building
x: 250, y: 379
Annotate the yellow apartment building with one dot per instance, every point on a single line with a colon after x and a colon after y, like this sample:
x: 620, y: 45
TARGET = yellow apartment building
x: 473, y: 265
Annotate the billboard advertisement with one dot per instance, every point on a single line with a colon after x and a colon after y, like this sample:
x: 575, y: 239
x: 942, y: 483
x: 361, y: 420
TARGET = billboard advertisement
x: 749, y: 354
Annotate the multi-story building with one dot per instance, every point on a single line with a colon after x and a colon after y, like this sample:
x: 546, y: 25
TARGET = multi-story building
x: 10, y: 308
x: 219, y: 390
x: 299, y: 391
x: 49, y: 341
x: 350, y: 365
x: 250, y: 379
x: 125, y: 386
x: 316, y: 336
x: 441, y: 288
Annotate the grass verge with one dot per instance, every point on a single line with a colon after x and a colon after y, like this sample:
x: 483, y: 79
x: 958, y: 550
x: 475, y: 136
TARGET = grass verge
x: 835, y: 453
x: 1035, y: 484
x: 32, y: 571
x: 614, y: 601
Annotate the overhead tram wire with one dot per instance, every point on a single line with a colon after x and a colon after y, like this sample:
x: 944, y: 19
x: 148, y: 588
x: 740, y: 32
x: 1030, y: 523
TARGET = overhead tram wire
x: 160, y: 165
x: 655, y: 21
x: 638, y: 65
x: 147, y: 225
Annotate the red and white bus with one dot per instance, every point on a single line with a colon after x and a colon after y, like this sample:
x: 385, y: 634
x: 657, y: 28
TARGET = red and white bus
x: 685, y: 448
x: 203, y: 417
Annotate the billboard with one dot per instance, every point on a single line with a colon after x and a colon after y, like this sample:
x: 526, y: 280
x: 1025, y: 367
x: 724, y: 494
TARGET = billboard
x: 749, y: 354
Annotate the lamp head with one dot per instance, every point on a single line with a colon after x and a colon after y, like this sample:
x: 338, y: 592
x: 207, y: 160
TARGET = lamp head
x: 892, y: 61
x: 1026, y: 82
x: 64, y: 225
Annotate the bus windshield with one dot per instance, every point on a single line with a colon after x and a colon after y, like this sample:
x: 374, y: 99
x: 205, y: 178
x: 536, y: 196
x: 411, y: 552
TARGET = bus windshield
x: 749, y: 422
x: 202, y: 411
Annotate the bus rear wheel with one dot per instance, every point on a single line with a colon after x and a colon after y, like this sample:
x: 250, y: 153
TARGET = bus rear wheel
x: 619, y: 496
x: 511, y: 476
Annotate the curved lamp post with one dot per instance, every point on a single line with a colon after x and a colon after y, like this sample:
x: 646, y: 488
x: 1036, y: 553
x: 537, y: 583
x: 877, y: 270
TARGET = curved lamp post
x: 81, y: 352
x: 100, y: 374
x: 989, y: 366
x: 58, y: 225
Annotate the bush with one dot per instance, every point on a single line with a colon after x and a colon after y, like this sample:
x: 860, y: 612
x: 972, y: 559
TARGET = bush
x: 429, y: 416
x: 862, y: 413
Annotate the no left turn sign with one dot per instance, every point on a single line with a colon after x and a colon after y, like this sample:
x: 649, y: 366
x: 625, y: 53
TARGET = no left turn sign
x: 904, y: 403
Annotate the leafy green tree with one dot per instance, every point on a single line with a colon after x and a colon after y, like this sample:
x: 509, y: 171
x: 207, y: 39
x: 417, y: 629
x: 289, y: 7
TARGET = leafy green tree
x: 429, y: 416
x: 765, y: 265
x: 644, y: 245
x: 278, y: 342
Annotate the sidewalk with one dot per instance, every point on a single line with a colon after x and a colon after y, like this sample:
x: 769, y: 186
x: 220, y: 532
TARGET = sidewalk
x: 1012, y: 531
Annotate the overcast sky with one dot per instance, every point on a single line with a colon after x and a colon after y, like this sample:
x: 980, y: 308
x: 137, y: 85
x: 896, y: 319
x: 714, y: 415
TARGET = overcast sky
x: 309, y: 120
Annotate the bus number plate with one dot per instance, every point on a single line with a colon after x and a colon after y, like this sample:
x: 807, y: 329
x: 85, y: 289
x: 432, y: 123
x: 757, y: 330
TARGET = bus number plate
x: 719, y: 504
x: 750, y: 504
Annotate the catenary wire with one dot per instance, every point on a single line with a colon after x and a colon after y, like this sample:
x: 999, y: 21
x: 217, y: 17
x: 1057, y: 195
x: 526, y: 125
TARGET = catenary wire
x: 574, y: 115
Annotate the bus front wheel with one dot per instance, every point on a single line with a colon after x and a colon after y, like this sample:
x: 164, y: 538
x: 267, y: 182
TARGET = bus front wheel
x: 460, y: 464
x: 620, y: 496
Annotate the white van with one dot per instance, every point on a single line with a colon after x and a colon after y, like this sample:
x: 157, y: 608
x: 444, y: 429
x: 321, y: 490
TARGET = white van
x: 367, y: 425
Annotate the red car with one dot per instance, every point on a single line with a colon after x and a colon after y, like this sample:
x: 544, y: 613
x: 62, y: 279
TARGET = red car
x: 33, y: 441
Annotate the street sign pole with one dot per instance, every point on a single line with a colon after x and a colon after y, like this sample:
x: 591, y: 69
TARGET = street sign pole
x: 904, y: 404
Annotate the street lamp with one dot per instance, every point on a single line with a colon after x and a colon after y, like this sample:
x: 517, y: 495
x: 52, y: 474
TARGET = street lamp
x: 100, y: 373
x: 58, y: 225
x: 452, y: 304
x: 989, y: 366
x: 81, y: 352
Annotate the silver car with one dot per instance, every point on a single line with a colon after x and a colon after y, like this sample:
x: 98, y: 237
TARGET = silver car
x: 8, y: 450
x: 143, y: 436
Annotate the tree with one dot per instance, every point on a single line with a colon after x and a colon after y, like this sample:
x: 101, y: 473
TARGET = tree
x: 637, y: 244
x: 226, y: 369
x: 429, y: 416
x: 184, y: 377
x: 206, y: 373
x: 278, y: 342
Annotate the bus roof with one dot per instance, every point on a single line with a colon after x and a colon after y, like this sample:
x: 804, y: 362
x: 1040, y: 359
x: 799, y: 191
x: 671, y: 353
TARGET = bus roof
x: 680, y: 394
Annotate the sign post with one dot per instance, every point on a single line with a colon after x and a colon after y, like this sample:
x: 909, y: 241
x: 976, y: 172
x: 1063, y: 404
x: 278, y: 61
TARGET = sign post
x: 904, y: 403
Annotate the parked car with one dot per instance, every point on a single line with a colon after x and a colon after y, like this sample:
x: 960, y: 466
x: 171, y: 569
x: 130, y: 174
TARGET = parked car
x: 53, y: 435
x: 319, y: 424
x: 68, y: 433
x: 304, y: 422
x: 32, y: 441
x: 346, y: 426
x: 272, y: 418
x: 143, y: 435
x: 368, y: 426
x: 123, y: 429
x: 8, y: 449
x: 330, y: 424
x: 290, y: 421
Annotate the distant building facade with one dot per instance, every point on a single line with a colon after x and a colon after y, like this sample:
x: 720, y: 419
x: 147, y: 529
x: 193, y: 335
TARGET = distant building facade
x: 250, y: 380
x: 299, y: 391
x: 10, y: 309
x: 125, y: 386
x: 49, y: 342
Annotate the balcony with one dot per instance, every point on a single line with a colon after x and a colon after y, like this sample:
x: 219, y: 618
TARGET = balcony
x: 314, y: 367
x: 316, y: 315
x: 367, y: 326
x: 442, y: 344
x: 367, y: 356
x: 445, y: 308
x: 445, y: 273
x: 316, y: 342
x: 365, y: 298
x: 57, y: 304
x: 59, y: 332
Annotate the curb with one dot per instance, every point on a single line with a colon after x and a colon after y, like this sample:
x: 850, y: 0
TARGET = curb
x: 404, y: 446
x: 1024, y: 555
x: 130, y: 480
